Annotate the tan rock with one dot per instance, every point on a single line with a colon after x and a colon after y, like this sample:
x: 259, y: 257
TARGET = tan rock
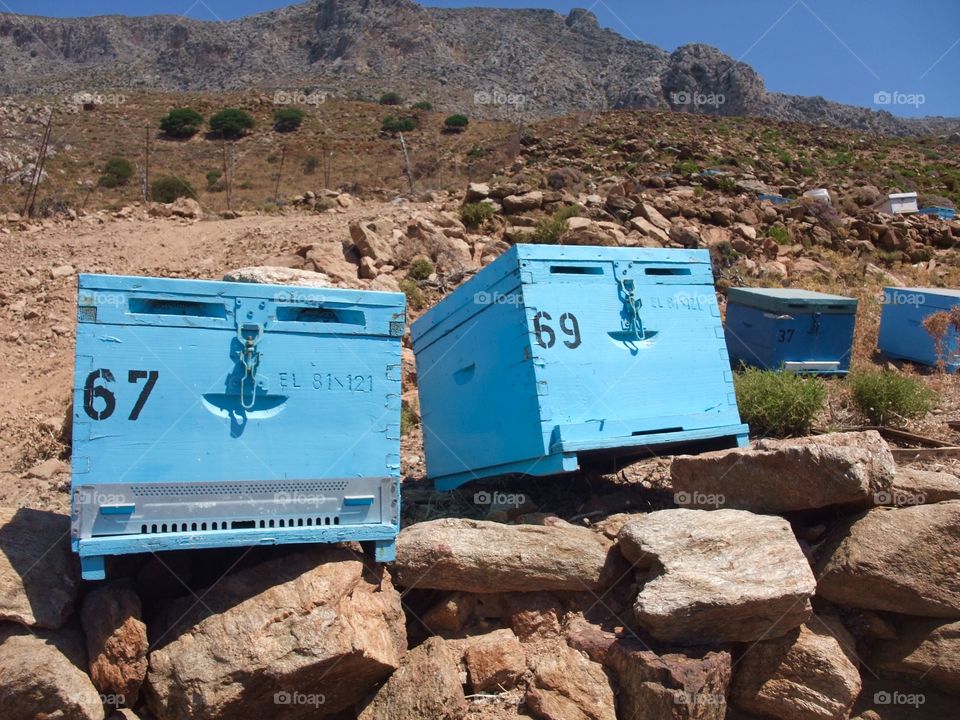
x: 648, y: 229
x: 495, y: 661
x: 928, y: 650
x: 368, y: 242
x: 278, y: 276
x: 187, y: 208
x: 912, y: 486
x: 568, y: 686
x: 116, y: 640
x: 649, y: 213
x: 522, y: 203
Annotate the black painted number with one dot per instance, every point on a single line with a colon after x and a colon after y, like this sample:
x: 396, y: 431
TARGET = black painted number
x: 785, y: 336
x: 547, y: 337
x: 94, y: 394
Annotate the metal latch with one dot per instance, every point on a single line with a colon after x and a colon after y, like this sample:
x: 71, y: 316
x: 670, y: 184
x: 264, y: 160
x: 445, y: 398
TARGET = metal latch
x: 249, y: 336
x: 626, y: 290
x: 815, y: 324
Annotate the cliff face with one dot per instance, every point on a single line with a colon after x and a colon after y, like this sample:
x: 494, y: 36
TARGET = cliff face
x: 489, y: 62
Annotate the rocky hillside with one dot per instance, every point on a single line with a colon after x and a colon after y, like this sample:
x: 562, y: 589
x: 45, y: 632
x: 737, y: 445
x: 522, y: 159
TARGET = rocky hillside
x: 491, y: 62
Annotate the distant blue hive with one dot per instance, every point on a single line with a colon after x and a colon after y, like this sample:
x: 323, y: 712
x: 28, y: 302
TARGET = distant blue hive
x: 789, y: 329
x: 552, y: 352
x: 217, y: 414
x: 902, y: 334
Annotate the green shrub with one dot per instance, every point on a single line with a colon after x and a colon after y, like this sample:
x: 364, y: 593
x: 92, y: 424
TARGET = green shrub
x: 548, y: 231
x: 181, y: 123
x: 115, y: 173
x: 288, y: 119
x: 213, y: 180
x: 408, y: 420
x: 231, y: 123
x: 888, y: 398
x: 456, y: 123
x: 167, y: 188
x: 726, y: 184
x: 780, y: 234
x: 415, y: 297
x: 310, y: 164
x: 686, y: 167
x: 390, y: 98
x: 778, y: 403
x: 392, y: 124
x: 473, y: 215
x: 423, y: 105
x: 420, y: 269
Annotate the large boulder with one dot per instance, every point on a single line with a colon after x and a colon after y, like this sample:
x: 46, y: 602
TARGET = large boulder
x: 808, y: 674
x: 717, y: 576
x: 523, y: 203
x: 904, y: 560
x: 38, y: 574
x: 488, y: 557
x: 116, y: 640
x: 568, y: 686
x: 284, y: 639
x: 41, y: 677
x: 426, y: 687
x: 368, y: 241
x: 777, y: 476
x: 669, y: 686
x: 271, y: 275
x: 926, y: 650
x: 912, y: 486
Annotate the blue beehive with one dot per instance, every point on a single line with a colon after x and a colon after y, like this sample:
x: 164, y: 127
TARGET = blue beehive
x: 792, y: 330
x: 214, y: 414
x: 550, y: 352
x: 902, y: 334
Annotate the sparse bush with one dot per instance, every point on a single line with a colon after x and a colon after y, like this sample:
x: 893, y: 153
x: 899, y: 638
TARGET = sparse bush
x: 167, y: 188
x: 686, y: 167
x: 780, y: 234
x: 408, y: 420
x: 288, y: 119
x: 415, y: 297
x: 392, y: 124
x: 310, y: 164
x: 473, y: 215
x: 231, y: 123
x: 115, y: 173
x: 213, y: 180
x: 941, y: 325
x: 477, y: 152
x: 888, y: 398
x: 390, y: 98
x: 181, y: 123
x: 423, y: 105
x: 456, y: 123
x: 778, y: 403
x: 548, y: 231
x: 727, y: 184
x: 420, y: 269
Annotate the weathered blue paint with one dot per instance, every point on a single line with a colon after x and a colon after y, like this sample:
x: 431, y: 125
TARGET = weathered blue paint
x: 216, y: 414
x: 538, y: 359
x: 944, y: 213
x: 790, y: 329
x: 902, y: 334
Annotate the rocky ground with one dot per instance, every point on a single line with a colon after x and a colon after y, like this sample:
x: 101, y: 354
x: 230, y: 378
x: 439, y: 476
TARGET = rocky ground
x: 601, y: 595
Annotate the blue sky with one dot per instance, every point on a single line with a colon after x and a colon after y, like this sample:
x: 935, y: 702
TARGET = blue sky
x: 844, y: 50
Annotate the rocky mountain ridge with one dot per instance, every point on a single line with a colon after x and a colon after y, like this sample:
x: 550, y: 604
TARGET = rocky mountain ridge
x: 518, y: 64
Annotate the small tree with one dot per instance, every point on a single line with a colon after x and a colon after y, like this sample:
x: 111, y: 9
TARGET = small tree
x: 423, y: 105
x: 181, y: 123
x: 213, y: 180
x: 115, y: 173
x: 231, y: 123
x: 167, y: 188
x: 394, y: 125
x: 456, y: 123
x: 390, y: 98
x: 288, y: 119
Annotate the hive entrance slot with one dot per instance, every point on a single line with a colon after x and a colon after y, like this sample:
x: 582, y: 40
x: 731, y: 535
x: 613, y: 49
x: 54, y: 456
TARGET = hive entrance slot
x: 190, y: 308
x: 320, y: 315
x: 666, y: 271
x: 243, y: 525
x: 637, y: 433
x: 576, y: 270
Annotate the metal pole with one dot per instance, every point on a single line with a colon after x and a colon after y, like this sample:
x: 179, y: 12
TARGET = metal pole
x: 406, y: 162
x: 276, y: 194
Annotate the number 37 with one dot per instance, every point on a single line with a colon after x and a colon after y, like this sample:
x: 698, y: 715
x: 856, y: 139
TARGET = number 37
x: 547, y: 338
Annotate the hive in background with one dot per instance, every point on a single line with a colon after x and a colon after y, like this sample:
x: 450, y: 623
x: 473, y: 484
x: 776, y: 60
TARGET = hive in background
x: 217, y: 414
x: 790, y: 329
x: 902, y: 332
x: 553, y: 352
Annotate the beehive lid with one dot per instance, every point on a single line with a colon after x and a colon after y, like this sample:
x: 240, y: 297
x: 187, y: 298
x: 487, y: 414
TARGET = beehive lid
x: 923, y: 297
x: 790, y: 300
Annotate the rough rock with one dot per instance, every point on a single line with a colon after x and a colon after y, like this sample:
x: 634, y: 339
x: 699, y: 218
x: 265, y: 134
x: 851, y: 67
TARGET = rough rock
x: 116, y: 640
x: 808, y: 674
x: 483, y: 557
x: 494, y: 661
x: 927, y: 649
x: 368, y: 242
x: 904, y: 560
x: 477, y: 192
x: 187, y: 208
x: 533, y: 615
x: 918, y: 487
x: 425, y: 687
x: 268, y: 275
x: 522, y: 203
x: 319, y: 623
x: 38, y: 573
x: 41, y: 676
x: 568, y: 686
x: 777, y: 476
x: 62, y: 271
x: 717, y: 576
x: 653, y: 216
x: 649, y: 229
x: 669, y: 686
